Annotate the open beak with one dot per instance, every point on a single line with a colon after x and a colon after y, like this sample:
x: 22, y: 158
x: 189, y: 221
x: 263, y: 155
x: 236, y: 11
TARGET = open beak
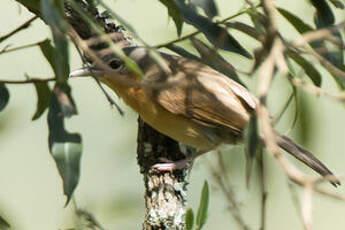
x: 86, y: 71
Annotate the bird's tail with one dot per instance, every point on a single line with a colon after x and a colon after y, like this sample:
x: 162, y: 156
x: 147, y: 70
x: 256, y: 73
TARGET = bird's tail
x: 305, y: 156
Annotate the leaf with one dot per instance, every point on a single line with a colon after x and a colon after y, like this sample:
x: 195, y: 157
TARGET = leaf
x: 4, y: 96
x: 189, y: 218
x: 216, y: 34
x: 43, y: 98
x: 252, y: 142
x: 295, y: 21
x: 66, y: 102
x: 258, y: 20
x: 203, y: 206
x: 216, y: 61
x: 184, y: 53
x: 4, y: 225
x: 209, y: 7
x: 324, y: 15
x: 52, y: 12
x: 244, y: 28
x: 338, y: 4
x: 175, y: 14
x: 49, y: 52
x: 309, y: 69
x: 65, y: 147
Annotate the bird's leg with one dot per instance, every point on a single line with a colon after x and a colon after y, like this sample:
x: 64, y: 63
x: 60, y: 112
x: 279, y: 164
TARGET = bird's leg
x: 168, y: 165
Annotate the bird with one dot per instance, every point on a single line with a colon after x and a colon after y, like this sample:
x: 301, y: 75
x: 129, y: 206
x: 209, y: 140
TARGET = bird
x: 190, y: 102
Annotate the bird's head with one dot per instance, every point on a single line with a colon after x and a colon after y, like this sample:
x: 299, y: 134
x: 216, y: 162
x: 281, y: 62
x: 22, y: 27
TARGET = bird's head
x: 114, y: 67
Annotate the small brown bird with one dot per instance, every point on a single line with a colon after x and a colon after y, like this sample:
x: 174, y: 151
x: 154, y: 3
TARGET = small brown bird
x: 193, y: 104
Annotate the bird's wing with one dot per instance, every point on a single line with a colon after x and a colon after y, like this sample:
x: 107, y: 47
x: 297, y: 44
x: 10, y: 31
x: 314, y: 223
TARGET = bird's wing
x: 206, y: 96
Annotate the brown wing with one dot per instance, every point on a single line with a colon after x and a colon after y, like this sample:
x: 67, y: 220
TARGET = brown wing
x: 204, y: 95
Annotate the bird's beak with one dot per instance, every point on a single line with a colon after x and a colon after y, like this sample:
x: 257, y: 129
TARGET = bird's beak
x: 86, y: 71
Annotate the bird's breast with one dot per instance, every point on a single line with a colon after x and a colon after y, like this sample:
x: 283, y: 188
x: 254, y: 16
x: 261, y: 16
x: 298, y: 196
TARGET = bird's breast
x: 175, y: 126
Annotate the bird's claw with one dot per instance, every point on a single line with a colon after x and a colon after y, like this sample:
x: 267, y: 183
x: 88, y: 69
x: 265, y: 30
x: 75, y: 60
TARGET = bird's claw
x: 169, y: 166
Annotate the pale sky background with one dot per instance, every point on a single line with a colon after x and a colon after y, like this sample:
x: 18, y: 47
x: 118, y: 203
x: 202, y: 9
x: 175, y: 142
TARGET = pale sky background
x: 110, y: 185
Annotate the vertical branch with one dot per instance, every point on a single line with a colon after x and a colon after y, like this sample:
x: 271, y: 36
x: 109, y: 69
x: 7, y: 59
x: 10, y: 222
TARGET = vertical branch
x: 165, y: 192
x: 261, y: 170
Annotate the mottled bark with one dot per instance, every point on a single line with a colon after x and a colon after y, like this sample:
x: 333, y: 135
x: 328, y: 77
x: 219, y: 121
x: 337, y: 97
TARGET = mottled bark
x: 165, y: 192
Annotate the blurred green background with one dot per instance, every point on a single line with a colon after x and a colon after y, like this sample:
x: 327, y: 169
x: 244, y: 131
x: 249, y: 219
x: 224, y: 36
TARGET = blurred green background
x: 110, y: 186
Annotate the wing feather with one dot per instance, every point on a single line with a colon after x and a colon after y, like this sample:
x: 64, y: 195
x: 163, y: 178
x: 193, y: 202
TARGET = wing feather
x: 203, y: 95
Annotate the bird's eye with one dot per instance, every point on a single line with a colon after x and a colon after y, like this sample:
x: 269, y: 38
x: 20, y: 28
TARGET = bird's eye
x: 115, y: 64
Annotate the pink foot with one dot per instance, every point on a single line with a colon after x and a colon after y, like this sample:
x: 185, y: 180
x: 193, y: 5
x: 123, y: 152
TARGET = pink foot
x: 169, y: 165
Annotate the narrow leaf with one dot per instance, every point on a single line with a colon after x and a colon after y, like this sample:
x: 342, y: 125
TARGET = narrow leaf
x: 189, y: 219
x: 65, y: 100
x: 247, y: 29
x: 252, y: 142
x: 203, y: 207
x: 49, y: 52
x: 65, y: 147
x: 216, y: 34
x: 216, y: 61
x: 52, y: 12
x: 209, y: 7
x: 4, y: 96
x: 253, y: 136
x: 184, y: 53
x: 309, y: 69
x: 258, y: 21
x: 43, y: 98
x: 175, y: 14
x: 338, y: 4
x: 295, y: 21
x: 4, y: 225
x: 324, y: 15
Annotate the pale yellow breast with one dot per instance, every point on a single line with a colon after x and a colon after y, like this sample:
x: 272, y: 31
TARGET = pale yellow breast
x: 175, y: 126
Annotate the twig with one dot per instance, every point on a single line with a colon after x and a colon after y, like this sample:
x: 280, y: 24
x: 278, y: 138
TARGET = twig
x: 28, y: 81
x: 327, y: 64
x: 320, y: 34
x: 19, y: 28
x: 261, y: 171
x: 223, y: 183
x: 19, y: 48
x: 307, y: 207
x: 310, y: 88
x: 187, y: 36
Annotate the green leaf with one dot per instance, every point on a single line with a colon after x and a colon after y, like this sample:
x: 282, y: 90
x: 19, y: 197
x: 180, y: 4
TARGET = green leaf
x: 43, y: 98
x: 258, y: 20
x: 4, y: 96
x: 246, y: 29
x: 203, y: 207
x: 252, y: 144
x: 295, y: 21
x: 189, y: 219
x: 175, y: 13
x: 209, y: 7
x: 66, y: 102
x: 216, y: 61
x: 49, y: 52
x: 338, y: 4
x: 324, y: 16
x: 52, y: 11
x: 65, y: 147
x: 305, y: 119
x: 253, y: 136
x: 216, y: 34
x: 184, y: 53
x: 32, y: 5
x: 309, y: 69
x: 4, y: 225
